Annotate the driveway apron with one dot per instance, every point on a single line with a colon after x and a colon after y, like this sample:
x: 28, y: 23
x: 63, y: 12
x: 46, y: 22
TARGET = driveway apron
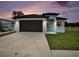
x: 24, y: 44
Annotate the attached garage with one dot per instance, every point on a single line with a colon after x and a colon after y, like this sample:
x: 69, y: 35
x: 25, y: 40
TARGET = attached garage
x: 30, y: 23
x: 31, y: 26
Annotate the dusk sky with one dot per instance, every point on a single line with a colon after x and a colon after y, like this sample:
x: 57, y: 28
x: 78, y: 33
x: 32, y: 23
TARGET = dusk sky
x: 67, y: 9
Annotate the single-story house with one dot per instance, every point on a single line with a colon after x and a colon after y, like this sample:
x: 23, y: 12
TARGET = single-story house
x: 6, y: 25
x: 47, y: 23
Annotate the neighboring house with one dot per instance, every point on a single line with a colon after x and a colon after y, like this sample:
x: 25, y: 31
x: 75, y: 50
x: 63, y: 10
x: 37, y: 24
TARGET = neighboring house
x: 47, y: 23
x: 6, y: 25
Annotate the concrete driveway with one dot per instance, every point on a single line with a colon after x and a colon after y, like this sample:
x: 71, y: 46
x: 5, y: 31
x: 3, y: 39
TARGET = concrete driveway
x: 24, y: 44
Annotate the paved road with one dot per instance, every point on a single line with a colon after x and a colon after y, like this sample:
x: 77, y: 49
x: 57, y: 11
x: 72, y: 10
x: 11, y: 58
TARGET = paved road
x: 24, y: 44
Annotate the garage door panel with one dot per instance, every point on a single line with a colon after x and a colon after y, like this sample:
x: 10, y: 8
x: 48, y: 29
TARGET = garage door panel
x: 31, y: 25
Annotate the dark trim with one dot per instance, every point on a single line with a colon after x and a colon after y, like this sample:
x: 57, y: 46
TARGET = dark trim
x: 50, y: 19
x: 61, y: 18
x: 30, y: 16
x: 50, y: 13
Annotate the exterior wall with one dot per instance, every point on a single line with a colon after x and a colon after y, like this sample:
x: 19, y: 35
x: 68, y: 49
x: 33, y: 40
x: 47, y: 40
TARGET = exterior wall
x: 7, y: 25
x: 52, y: 23
x: 52, y: 16
x: 17, y: 25
x: 4, y: 25
x: 44, y: 25
x: 51, y: 28
x: 61, y: 28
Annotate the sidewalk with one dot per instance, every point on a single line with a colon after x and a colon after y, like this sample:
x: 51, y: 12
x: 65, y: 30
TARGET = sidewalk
x: 65, y: 53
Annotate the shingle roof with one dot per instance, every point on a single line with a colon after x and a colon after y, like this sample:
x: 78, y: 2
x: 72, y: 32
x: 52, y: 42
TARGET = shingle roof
x: 40, y: 16
x: 30, y: 16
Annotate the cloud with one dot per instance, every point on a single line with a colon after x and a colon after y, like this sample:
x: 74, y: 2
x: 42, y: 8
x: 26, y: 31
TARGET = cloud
x: 69, y: 4
x: 72, y: 14
x: 6, y: 14
x: 67, y: 9
x: 63, y: 3
x: 60, y: 4
x: 38, y: 7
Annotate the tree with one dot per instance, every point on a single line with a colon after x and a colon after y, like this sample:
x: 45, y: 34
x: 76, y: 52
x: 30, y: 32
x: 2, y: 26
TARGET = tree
x: 14, y: 13
x: 66, y: 24
x: 77, y: 24
x: 20, y: 13
x: 17, y: 13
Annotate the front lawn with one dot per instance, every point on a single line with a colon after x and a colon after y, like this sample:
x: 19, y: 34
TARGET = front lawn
x: 64, y: 41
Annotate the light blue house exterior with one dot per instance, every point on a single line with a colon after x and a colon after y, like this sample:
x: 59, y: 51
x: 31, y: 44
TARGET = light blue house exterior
x: 62, y: 27
x: 51, y: 21
x: 7, y: 25
x: 51, y: 24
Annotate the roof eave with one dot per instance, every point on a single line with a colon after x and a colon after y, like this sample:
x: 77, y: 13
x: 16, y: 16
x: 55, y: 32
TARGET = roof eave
x: 50, y: 13
x: 61, y: 18
x: 28, y: 17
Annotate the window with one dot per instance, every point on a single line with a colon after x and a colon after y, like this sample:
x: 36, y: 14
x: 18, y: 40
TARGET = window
x: 59, y: 23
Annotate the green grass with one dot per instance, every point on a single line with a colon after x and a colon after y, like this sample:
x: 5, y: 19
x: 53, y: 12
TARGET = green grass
x: 5, y: 33
x: 64, y: 41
